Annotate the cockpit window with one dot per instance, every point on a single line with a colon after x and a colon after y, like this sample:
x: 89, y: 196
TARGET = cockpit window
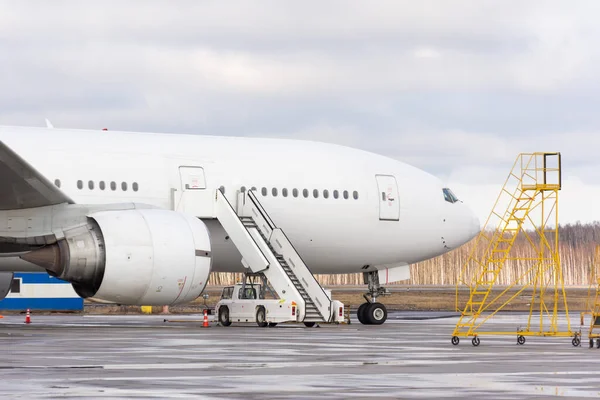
x: 449, y: 196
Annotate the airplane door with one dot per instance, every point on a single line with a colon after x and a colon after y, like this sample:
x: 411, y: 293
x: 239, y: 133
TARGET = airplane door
x: 192, y: 178
x: 195, y: 198
x: 389, y: 202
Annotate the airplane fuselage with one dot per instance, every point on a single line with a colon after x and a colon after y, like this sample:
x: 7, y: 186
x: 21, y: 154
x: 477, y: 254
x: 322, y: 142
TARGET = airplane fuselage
x: 336, y: 204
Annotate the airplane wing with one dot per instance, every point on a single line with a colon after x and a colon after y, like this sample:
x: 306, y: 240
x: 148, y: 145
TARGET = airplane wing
x: 21, y: 186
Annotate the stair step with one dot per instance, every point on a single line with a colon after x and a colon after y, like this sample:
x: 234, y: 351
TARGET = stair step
x: 312, y: 315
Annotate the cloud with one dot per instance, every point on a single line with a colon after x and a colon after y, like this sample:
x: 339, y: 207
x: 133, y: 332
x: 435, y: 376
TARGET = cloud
x: 454, y: 89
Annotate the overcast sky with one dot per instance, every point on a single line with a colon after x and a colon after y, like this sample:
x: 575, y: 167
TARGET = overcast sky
x: 457, y: 88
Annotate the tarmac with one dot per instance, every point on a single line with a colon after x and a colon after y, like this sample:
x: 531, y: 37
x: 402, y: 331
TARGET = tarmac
x: 409, y: 357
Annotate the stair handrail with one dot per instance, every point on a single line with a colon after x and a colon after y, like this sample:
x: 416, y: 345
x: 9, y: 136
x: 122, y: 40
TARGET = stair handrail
x: 273, y: 227
x: 220, y: 193
x: 261, y: 209
x: 306, y: 265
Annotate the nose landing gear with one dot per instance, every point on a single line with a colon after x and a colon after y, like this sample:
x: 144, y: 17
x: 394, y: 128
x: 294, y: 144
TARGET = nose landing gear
x: 372, y: 312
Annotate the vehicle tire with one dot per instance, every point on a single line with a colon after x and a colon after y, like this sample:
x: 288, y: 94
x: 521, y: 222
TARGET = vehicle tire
x: 360, y: 313
x: 224, y: 316
x: 261, y: 317
x: 376, y: 313
x: 272, y: 324
x: 309, y: 324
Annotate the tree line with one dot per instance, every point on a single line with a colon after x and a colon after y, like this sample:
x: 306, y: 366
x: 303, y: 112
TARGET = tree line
x: 577, y: 243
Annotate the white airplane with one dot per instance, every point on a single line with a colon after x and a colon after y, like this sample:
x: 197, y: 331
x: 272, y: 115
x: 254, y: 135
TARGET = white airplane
x: 118, y: 213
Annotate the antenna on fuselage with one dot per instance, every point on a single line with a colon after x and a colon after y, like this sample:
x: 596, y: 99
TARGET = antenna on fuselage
x: 49, y: 124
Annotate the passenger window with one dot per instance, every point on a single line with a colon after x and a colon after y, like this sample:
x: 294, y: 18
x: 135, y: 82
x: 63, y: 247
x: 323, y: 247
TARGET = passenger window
x: 284, y: 192
x: 295, y: 192
x: 91, y: 185
x: 326, y: 193
x: 113, y: 186
x: 79, y: 184
x: 383, y: 196
x: 222, y: 189
x: 124, y: 186
x: 355, y: 195
x: 274, y: 192
x: 346, y: 194
x: 57, y: 182
x: 253, y: 188
x: 305, y: 193
x: 243, y: 189
x: 336, y: 194
x: 315, y: 193
x: 102, y: 185
x: 264, y: 191
x: 135, y: 186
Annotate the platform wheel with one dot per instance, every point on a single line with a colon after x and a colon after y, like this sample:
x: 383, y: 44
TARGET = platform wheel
x: 591, y: 343
x: 521, y: 339
x: 455, y: 340
x: 576, y: 341
x: 598, y: 343
x: 475, y: 342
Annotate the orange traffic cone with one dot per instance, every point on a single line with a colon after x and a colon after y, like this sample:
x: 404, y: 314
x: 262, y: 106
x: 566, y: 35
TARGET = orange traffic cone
x: 205, y: 323
x: 28, y: 317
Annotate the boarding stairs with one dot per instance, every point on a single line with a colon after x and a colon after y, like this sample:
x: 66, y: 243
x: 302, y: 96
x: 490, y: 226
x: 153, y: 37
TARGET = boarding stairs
x: 266, y: 250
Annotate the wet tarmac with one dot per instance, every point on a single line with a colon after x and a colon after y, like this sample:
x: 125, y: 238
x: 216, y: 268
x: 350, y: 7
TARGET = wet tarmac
x: 141, y: 356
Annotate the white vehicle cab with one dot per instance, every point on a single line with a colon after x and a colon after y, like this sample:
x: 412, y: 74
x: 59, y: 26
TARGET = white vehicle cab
x: 247, y: 303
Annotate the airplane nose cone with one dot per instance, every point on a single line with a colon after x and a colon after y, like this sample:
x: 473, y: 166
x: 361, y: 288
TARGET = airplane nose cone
x: 461, y: 226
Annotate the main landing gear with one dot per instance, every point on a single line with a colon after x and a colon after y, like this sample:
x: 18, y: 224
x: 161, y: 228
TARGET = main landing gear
x: 372, y: 312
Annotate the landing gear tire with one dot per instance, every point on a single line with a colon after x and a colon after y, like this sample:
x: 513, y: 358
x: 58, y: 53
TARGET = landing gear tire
x: 224, y: 316
x: 272, y: 324
x: 261, y: 317
x: 376, y: 314
x: 360, y: 313
x: 521, y: 339
x: 309, y: 324
x: 475, y: 342
x: 591, y: 343
x: 455, y: 340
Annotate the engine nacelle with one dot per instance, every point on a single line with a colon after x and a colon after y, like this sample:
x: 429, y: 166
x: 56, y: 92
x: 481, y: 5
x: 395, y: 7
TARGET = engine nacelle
x: 147, y: 256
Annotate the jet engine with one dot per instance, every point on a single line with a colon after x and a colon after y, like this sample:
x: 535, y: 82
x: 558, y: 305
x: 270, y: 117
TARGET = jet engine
x: 146, y: 256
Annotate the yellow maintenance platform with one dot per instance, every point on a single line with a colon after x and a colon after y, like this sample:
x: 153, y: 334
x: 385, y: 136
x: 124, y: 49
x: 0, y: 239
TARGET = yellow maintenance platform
x: 593, y: 302
x: 526, y: 211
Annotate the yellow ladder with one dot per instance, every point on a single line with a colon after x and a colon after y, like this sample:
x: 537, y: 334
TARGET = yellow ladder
x: 594, y: 306
x: 501, y: 245
x: 526, y: 208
